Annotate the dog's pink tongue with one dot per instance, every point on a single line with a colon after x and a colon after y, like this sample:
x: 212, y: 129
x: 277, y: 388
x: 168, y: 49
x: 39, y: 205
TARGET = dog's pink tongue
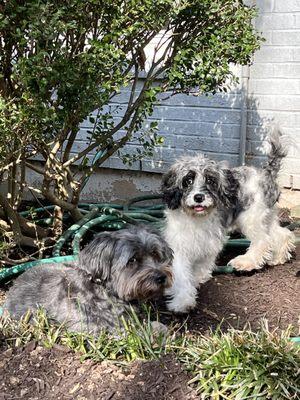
x: 199, y: 208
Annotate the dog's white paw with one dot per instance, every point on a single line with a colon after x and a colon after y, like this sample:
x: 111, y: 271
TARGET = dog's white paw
x: 282, y: 256
x: 182, y: 304
x: 280, y: 260
x: 244, y: 263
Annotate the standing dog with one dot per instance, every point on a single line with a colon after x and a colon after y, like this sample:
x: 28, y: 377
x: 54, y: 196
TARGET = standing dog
x: 205, y: 199
x: 113, y: 270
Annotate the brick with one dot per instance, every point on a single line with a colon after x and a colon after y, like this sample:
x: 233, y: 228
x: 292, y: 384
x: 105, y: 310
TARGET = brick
x: 265, y: 5
x: 294, y: 133
x: 270, y: 22
x: 226, y: 130
x: 297, y: 20
x: 291, y: 162
x: 265, y: 70
x: 199, y: 128
x: 284, y: 119
x: 281, y: 102
x: 169, y: 139
x: 121, y: 98
x: 216, y: 145
x: 286, y: 38
x: 230, y: 158
x: 80, y: 145
x: 256, y: 132
x: 296, y: 54
x: 162, y: 160
x: 162, y: 166
x: 82, y: 134
x: 255, y: 147
x: 166, y: 154
x: 287, y: 5
x: 115, y: 162
x: 287, y: 70
x: 196, y: 114
x: 219, y: 100
x: 274, y: 86
x: 292, y: 165
x: 268, y: 38
x: 183, y: 127
x: 256, y: 161
x: 274, y: 54
x: 155, y: 166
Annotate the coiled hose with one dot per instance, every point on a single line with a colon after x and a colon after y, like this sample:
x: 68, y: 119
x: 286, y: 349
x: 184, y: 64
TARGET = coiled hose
x: 106, y: 216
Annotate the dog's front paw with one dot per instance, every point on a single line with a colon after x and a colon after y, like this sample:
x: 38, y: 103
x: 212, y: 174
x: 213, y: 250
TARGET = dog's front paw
x: 181, y: 304
x: 244, y: 263
x: 281, y: 258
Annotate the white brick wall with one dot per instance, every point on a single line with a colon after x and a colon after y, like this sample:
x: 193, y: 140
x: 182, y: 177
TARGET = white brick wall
x: 274, y: 88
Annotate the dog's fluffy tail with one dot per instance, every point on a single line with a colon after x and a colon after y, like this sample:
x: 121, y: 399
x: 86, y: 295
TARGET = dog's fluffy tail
x: 278, y: 145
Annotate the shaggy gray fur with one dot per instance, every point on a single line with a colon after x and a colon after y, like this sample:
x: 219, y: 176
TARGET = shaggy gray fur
x: 115, y: 269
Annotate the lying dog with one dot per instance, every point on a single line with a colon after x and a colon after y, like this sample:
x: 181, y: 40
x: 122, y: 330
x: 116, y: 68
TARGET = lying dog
x: 205, y: 199
x: 113, y: 270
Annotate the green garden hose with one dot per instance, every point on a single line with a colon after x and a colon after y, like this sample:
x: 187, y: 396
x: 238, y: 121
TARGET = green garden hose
x: 106, y: 216
x: 6, y: 273
x: 71, y: 231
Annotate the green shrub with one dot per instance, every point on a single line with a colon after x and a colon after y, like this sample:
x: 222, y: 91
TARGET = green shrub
x: 64, y: 61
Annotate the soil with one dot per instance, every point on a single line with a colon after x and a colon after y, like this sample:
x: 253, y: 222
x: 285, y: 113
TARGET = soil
x: 36, y: 373
x: 233, y: 300
x: 240, y: 299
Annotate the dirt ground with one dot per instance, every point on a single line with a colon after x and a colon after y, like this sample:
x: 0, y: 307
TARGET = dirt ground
x: 36, y: 373
x: 235, y: 300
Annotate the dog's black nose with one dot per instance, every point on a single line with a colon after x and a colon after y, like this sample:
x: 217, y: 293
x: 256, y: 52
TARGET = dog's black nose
x: 199, y: 197
x: 161, y: 279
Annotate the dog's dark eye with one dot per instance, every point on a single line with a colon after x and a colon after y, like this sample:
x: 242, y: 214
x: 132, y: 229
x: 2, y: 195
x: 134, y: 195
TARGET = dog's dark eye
x: 132, y: 260
x: 210, y: 180
x: 188, y: 180
x: 155, y: 255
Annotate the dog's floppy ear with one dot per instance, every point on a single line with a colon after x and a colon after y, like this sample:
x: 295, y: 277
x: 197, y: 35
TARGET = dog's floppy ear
x: 96, y: 258
x: 172, y: 194
x: 229, y: 188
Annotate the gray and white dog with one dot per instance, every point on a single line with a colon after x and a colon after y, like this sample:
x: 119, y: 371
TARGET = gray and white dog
x: 205, y: 200
x: 114, y: 269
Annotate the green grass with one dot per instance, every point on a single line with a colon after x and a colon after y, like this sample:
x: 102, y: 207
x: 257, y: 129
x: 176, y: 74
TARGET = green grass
x: 234, y: 365
x: 243, y: 364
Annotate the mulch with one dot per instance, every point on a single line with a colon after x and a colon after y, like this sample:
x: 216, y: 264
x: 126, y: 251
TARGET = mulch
x: 244, y: 299
x: 33, y: 372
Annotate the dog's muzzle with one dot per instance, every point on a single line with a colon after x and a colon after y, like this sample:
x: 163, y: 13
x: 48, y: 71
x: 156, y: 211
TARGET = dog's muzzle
x: 199, y: 198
